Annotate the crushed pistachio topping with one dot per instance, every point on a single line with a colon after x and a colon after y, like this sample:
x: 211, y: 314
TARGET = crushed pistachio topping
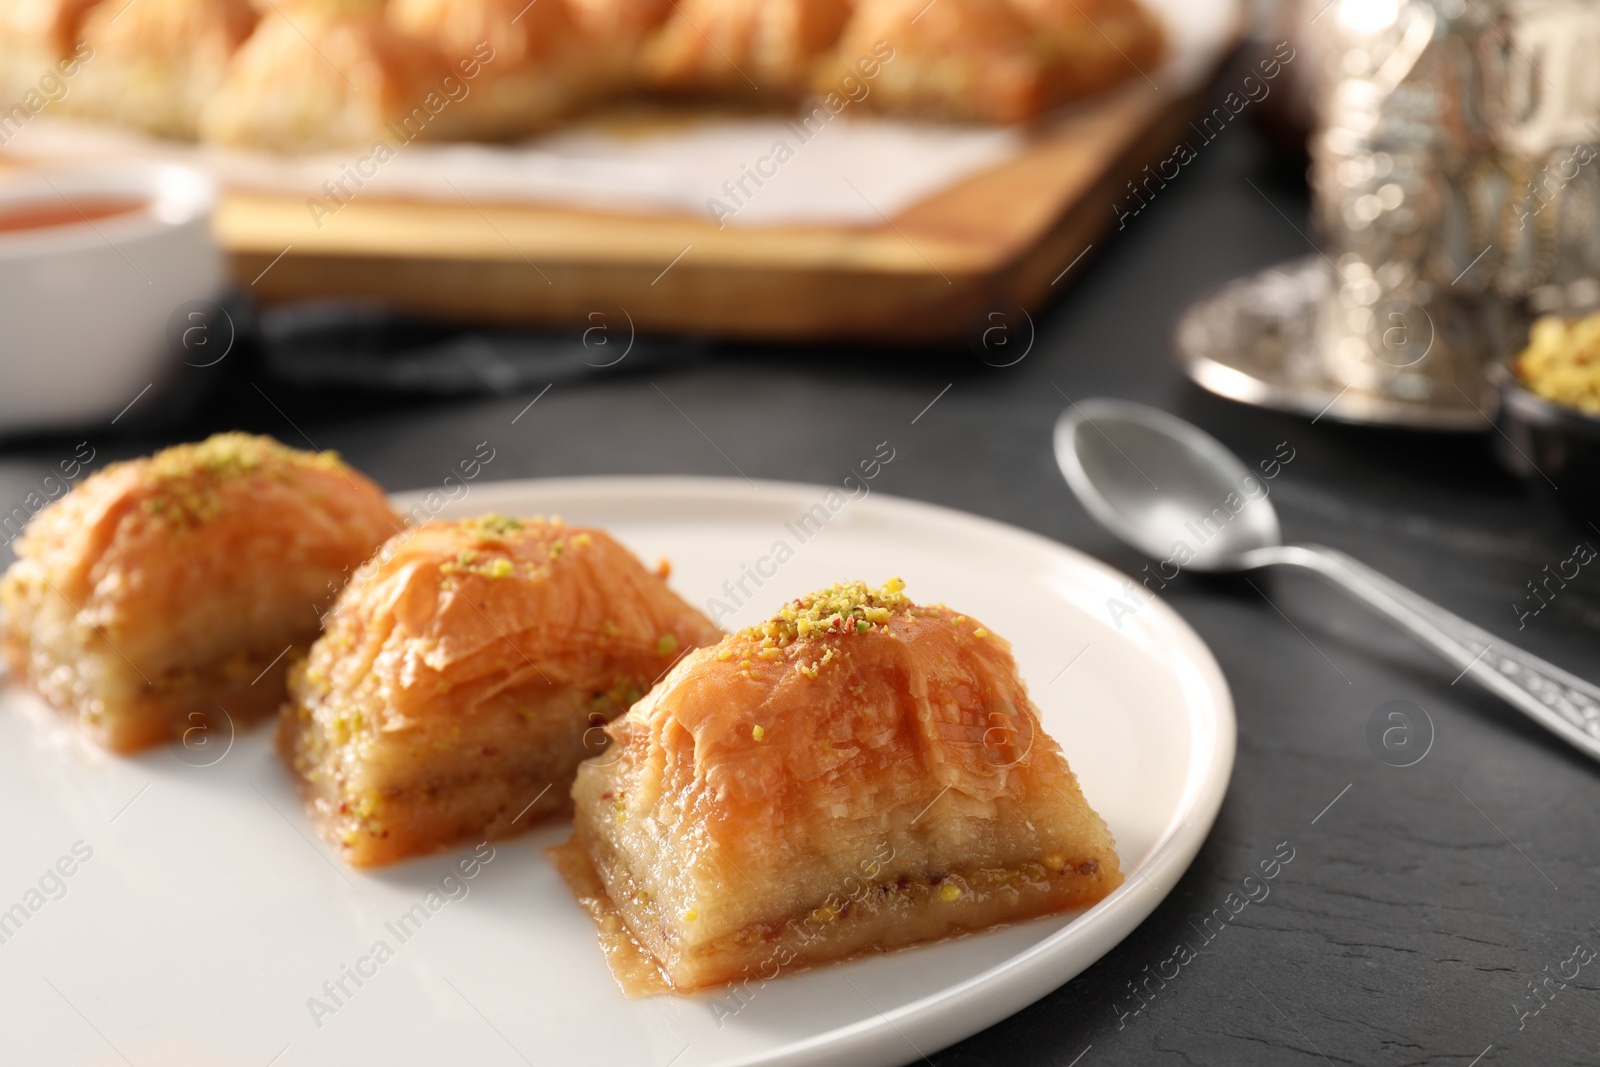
x: 949, y: 893
x: 498, y: 525
x: 810, y: 669
x: 758, y: 733
x: 464, y: 559
x: 691, y: 915
x: 582, y: 540
x: 227, y: 455
x: 471, y: 561
x: 841, y: 608
x: 185, y: 480
x: 980, y: 632
x: 666, y: 645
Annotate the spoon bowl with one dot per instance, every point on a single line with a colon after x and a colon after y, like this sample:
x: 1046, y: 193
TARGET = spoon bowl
x: 1164, y: 486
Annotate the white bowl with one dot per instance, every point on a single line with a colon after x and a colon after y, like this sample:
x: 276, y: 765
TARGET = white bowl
x: 85, y: 307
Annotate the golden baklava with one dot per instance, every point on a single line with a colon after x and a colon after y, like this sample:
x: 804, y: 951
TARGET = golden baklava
x: 623, y: 23
x: 743, y: 46
x: 855, y: 774
x: 157, y: 62
x: 530, y: 64
x: 464, y: 675
x: 1000, y: 61
x: 320, y: 77
x: 305, y: 75
x: 40, y: 55
x: 163, y: 590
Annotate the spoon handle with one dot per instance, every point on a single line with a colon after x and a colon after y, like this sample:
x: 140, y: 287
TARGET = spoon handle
x: 1562, y: 703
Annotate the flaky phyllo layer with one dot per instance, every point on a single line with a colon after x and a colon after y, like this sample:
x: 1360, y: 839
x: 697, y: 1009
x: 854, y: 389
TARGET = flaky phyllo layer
x: 858, y: 772
x: 464, y: 675
x: 168, y: 591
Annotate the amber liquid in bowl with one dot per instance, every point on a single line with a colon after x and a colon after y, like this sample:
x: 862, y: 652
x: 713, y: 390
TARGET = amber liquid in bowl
x: 44, y: 215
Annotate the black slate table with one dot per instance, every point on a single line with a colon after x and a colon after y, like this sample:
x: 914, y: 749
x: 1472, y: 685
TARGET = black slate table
x: 1431, y: 911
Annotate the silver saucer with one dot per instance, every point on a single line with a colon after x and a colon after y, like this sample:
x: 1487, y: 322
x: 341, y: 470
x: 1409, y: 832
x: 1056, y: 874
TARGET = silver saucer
x: 1252, y: 341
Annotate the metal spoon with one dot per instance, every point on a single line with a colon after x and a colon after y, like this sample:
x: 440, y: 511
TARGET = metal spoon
x: 1175, y: 493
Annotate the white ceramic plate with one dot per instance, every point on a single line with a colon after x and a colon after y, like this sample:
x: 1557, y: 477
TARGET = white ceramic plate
x: 207, y: 915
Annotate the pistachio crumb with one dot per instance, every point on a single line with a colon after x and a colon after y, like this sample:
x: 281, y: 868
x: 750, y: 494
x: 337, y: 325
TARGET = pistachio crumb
x: 758, y: 732
x: 691, y: 915
x: 497, y: 524
x: 666, y: 645
x: 949, y: 893
x: 848, y: 607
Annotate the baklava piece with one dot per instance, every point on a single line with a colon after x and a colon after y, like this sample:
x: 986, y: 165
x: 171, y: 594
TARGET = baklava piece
x: 1001, y: 61
x: 1095, y: 44
x: 520, y: 66
x: 325, y: 76
x: 465, y: 674
x: 856, y: 774
x: 743, y: 46
x: 157, y: 62
x: 164, y: 589
x: 40, y: 54
x: 622, y: 23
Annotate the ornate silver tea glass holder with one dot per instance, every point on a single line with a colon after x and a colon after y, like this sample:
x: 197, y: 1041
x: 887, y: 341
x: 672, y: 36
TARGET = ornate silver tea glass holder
x: 1456, y: 191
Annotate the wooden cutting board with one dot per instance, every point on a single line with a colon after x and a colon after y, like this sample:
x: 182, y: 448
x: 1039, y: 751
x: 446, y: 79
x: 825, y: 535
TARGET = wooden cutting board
x: 997, y: 240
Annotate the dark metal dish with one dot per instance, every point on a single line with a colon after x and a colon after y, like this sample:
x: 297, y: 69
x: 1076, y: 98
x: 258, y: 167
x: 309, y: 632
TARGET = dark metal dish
x: 1554, y: 446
